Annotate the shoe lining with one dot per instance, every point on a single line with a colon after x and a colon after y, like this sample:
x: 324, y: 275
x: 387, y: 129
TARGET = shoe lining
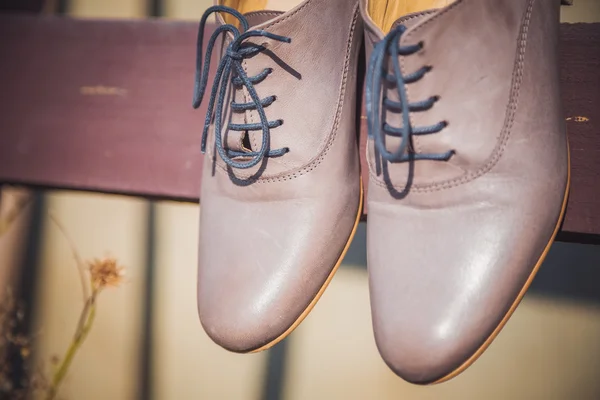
x: 385, y: 12
x: 246, y: 6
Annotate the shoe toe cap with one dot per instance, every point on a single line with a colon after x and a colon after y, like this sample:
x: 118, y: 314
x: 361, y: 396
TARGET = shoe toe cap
x: 261, y: 266
x: 443, y: 287
x: 424, y: 355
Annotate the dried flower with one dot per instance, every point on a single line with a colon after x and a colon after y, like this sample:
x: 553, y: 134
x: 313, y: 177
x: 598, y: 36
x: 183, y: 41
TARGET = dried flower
x: 105, y: 272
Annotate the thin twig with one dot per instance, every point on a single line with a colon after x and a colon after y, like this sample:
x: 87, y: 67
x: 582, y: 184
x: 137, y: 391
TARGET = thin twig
x: 76, y: 256
x: 88, y: 314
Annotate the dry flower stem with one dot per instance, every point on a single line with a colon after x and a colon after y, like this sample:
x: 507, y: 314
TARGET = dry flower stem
x: 76, y: 256
x: 88, y: 314
x: 103, y: 273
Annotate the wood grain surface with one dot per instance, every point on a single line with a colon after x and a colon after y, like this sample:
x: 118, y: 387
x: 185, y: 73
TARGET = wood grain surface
x: 105, y: 105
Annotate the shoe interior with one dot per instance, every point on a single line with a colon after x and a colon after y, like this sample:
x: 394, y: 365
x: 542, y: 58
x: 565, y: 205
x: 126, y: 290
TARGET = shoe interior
x: 246, y: 6
x: 385, y: 12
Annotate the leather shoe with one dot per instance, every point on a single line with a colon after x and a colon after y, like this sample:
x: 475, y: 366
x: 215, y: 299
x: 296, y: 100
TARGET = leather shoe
x: 281, y: 192
x: 469, y: 172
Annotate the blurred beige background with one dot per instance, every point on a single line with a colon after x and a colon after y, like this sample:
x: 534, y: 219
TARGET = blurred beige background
x: 549, y: 350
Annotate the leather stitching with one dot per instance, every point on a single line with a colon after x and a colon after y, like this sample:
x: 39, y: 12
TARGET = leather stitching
x: 288, y: 16
x: 417, y: 15
x: 266, y: 12
x: 517, y: 78
x: 312, y: 164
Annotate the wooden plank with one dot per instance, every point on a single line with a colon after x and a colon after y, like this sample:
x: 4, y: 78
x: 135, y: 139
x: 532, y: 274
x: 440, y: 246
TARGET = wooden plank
x: 108, y: 8
x: 580, y: 76
x: 22, y: 5
x: 106, y: 106
x: 100, y: 105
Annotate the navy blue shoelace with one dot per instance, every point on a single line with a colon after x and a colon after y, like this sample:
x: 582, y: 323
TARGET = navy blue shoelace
x: 230, y: 68
x: 375, y: 89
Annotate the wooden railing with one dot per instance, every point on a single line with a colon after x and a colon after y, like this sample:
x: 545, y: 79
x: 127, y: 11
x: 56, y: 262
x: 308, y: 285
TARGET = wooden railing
x: 105, y: 106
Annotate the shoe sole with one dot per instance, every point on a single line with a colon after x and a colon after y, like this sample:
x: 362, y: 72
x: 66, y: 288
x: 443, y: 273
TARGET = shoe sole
x: 314, y: 301
x: 514, y: 306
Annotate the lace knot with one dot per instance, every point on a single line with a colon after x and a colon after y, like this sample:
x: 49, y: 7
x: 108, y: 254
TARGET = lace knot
x: 233, y: 54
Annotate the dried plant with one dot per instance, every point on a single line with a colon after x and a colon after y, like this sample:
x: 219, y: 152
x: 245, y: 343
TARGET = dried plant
x: 14, y: 344
x: 96, y: 275
x: 103, y: 273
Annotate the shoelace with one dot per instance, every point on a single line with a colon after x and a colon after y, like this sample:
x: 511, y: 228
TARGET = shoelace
x: 230, y: 68
x: 376, y: 74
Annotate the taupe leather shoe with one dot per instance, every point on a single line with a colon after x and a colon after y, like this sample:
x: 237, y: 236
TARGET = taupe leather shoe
x: 281, y: 193
x: 469, y: 172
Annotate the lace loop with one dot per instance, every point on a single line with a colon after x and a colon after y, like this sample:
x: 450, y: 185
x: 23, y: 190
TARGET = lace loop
x: 376, y: 75
x: 230, y: 69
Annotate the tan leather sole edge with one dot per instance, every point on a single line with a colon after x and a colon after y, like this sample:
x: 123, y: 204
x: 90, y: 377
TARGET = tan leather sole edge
x: 325, y: 284
x: 514, y: 306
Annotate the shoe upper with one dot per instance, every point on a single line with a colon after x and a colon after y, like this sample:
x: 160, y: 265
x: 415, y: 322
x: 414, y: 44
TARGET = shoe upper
x: 459, y: 223
x: 271, y: 234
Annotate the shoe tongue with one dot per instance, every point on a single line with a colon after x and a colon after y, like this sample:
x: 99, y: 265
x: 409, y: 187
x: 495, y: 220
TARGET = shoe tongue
x: 412, y: 19
x: 256, y: 18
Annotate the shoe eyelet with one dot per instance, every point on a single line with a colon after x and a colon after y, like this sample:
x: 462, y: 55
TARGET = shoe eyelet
x: 421, y: 44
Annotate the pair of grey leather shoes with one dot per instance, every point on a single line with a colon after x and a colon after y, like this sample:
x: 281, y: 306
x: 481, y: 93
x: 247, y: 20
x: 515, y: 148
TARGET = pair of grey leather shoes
x: 467, y: 154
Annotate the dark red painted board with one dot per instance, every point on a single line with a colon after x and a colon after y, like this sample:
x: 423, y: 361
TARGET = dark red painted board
x: 34, y: 6
x: 106, y: 106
